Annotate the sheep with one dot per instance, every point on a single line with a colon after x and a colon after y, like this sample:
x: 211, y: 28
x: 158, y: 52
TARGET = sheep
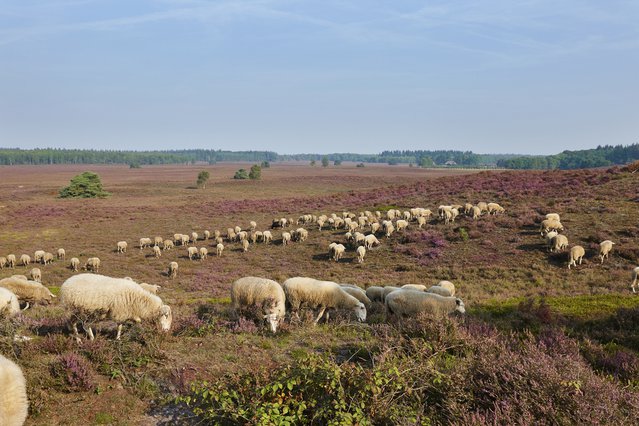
x: 436, y: 289
x: 74, y: 264
x: 418, y: 287
x: 194, y: 237
x: 219, y: 248
x: 410, y: 302
x: 92, y: 264
x: 177, y: 239
x: 256, y: 235
x: 217, y: 233
x: 19, y: 277
x: 167, y: 245
x: 286, y: 238
x: 494, y: 208
x: 122, y: 246
x: 448, y: 286
x: 635, y: 277
x: 207, y: 234
x: 475, y: 212
x: 548, y: 225
x: 338, y: 252
x: 117, y: 299
x: 204, y: 253
x: 192, y: 252
x: 37, y: 256
x: 219, y: 240
x: 157, y: 251
x: 388, y: 290
x: 173, y: 269
x: 185, y: 239
x: 61, y: 253
x: 11, y: 260
x: 3, y: 262
x: 267, y: 296
x: 389, y: 230
x: 252, y: 225
x: 357, y: 293
x: 242, y: 235
x: 237, y: 229
x: 36, y: 274
x: 421, y: 221
x: 300, y: 234
x: 401, y: 225
x: 359, y: 239
x: 370, y: 240
x: 157, y: 240
x: 28, y: 291
x: 151, y: 288
x: 549, y: 236
x: 145, y: 242
x: 47, y: 258
x: 14, y: 405
x: 320, y: 294
x: 576, y: 254
x: 320, y: 224
x: 9, y: 305
x: 604, y: 249
x: 245, y: 245
x: 361, y: 252
x: 483, y: 206
x: 559, y: 242
x: 25, y: 259
x: 267, y: 237
x: 375, y: 293
x: 553, y: 216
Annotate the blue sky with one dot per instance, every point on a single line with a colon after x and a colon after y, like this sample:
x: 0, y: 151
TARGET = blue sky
x: 536, y: 76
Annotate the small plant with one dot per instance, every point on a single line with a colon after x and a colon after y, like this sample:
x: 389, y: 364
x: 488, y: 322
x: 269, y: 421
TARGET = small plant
x: 75, y: 370
x: 202, y: 178
x: 313, y: 163
x: 256, y: 172
x: 360, y: 165
x: 85, y: 185
x: 337, y: 162
x: 265, y: 164
x: 324, y: 161
x: 241, y: 174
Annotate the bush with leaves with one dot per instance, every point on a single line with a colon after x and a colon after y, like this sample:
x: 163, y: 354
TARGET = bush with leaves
x: 202, y: 178
x: 84, y: 185
x: 241, y: 174
x: 256, y: 172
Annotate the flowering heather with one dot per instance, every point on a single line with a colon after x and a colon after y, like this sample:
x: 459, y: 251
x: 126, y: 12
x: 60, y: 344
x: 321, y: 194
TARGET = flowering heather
x: 75, y: 370
x: 422, y: 245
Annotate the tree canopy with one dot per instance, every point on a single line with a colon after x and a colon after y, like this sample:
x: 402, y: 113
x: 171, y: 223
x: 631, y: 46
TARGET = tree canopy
x: 84, y: 185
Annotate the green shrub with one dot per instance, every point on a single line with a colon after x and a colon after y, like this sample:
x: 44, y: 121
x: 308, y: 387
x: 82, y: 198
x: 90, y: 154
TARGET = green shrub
x: 256, y: 172
x: 241, y: 174
x: 85, y: 185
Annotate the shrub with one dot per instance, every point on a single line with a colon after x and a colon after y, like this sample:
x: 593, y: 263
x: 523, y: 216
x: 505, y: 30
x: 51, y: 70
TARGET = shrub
x: 202, y: 178
x: 241, y: 174
x: 256, y: 172
x: 84, y: 185
x: 75, y: 370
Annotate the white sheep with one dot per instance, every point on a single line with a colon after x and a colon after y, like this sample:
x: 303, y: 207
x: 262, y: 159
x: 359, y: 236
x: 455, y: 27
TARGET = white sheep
x: 194, y: 237
x: 389, y: 230
x: 204, y: 253
x: 61, y: 254
x: 483, y: 206
x: 11, y: 260
x: 207, y: 234
x: 177, y: 239
x: 553, y: 216
x: 267, y: 237
x: 219, y: 248
x: 401, y: 224
x: 267, y: 296
x: 548, y: 225
x: 361, y: 252
x: 47, y: 258
x: 494, y: 208
x: 388, y: 290
x: 9, y: 304
x: 36, y: 274
x: 37, y: 256
x: 245, y: 245
x: 320, y: 294
x: 375, y: 293
x: 358, y: 293
x: 122, y: 246
x: 151, y: 288
x: 418, y: 287
x: 359, y: 238
x: 192, y: 252
x: 173, y: 269
x: 92, y: 264
x: 549, y: 236
x: 286, y: 238
x: 370, y: 240
x: 185, y: 239
x: 475, y: 212
x: 117, y: 299
x: 421, y: 221
x: 604, y: 249
x: 576, y: 254
x: 635, y: 277
x: 74, y: 264
x: 25, y: 259
x: 237, y: 229
x: 167, y: 244
x: 338, y: 252
x: 300, y: 234
x: 14, y: 405
x: 157, y: 251
x: 252, y: 225
x: 411, y: 302
x: 436, y: 289
x: 559, y: 242
x: 157, y: 240
x: 448, y: 286
x: 28, y: 291
x: 145, y: 242
x: 241, y: 236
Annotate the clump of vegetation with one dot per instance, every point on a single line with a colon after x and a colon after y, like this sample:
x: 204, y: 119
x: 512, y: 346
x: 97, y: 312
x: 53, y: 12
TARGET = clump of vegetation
x: 256, y: 172
x: 241, y: 174
x: 75, y: 370
x: 265, y: 164
x: 202, y: 178
x: 325, y: 161
x: 360, y: 165
x: 84, y: 185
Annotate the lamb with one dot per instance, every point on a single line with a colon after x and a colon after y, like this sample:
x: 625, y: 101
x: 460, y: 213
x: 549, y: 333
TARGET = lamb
x: 92, y: 264
x: 375, y: 293
x: 635, y: 277
x: 410, y: 302
x: 74, y: 264
x: 361, y: 252
x: 37, y: 256
x: 286, y: 238
x: 36, y: 274
x: 559, y: 242
x: 370, y: 240
x: 122, y: 245
x: 267, y: 237
x: 219, y: 248
x: 448, y: 286
x: 14, y: 405
x: 9, y: 305
x: 604, y: 249
x: 117, y: 299
x: 357, y: 293
x: 267, y: 296
x: 401, y: 224
x: 145, y: 242
x: 494, y: 208
x: 245, y: 245
x: 192, y: 252
x: 442, y: 291
x: 338, y: 252
x: 25, y: 259
x: 167, y: 245
x: 28, y: 291
x: 320, y: 294
x: 173, y: 269
x: 157, y: 251
x: 576, y: 254
x: 11, y: 260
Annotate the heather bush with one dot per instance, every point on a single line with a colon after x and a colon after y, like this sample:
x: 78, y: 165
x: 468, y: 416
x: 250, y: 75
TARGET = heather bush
x: 74, y: 370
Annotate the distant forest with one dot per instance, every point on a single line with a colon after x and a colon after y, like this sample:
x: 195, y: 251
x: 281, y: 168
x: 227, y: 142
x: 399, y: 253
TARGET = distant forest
x: 598, y: 157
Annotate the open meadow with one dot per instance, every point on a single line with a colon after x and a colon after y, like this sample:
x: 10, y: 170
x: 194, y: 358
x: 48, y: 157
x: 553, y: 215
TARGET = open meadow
x: 539, y: 342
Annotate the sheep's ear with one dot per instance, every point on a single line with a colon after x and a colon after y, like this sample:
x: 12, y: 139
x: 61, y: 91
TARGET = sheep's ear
x: 166, y: 310
x: 458, y: 302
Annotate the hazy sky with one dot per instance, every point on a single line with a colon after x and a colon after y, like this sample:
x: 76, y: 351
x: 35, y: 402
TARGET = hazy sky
x: 536, y: 76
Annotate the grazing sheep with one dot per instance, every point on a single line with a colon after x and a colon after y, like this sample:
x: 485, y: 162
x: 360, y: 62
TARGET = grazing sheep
x: 194, y: 237
x: 635, y: 277
x: 11, y: 260
x: 74, y: 264
x: 219, y: 240
x: 559, y: 242
x: 494, y: 208
x: 252, y: 225
x: 482, y: 206
x: 388, y: 290
x: 576, y: 254
x: 286, y: 238
x: 9, y: 305
x: 167, y: 245
x: 300, y: 234
x: 245, y: 245
x: 375, y: 293
x: 448, y: 286
x: 177, y: 239
x: 375, y: 227
x: 219, y: 248
x: 204, y: 253
x: 37, y: 256
x: 217, y: 233
x: 207, y: 234
x: 359, y: 239
x: 145, y: 242
x: 442, y: 291
x: 553, y: 216
x: 389, y: 230
x: 475, y: 212
x: 338, y: 252
x: 418, y: 287
x: 47, y: 258
x: 36, y: 274
x: 3, y: 262
x: 117, y: 299
x: 157, y: 251
x: 28, y: 291
x: 548, y: 225
x: 370, y: 240
x: 320, y: 294
x: 25, y: 259
x: 241, y: 236
x: 19, y: 277
x: 421, y: 221
x: 157, y: 240
x: 361, y: 252
x: 192, y: 252
x: 604, y: 249
x: 267, y: 237
x: 92, y: 264
x: 151, y: 288
x: 401, y: 224
x: 14, y: 405
x: 173, y: 269
x: 549, y: 236
x: 410, y: 302
x: 358, y: 293
x: 185, y: 240
x: 122, y: 246
x: 264, y: 295
x: 237, y: 229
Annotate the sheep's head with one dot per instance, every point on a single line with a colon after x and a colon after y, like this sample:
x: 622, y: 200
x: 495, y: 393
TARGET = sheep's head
x: 460, y: 306
x: 360, y: 311
x: 270, y: 307
x: 165, y: 318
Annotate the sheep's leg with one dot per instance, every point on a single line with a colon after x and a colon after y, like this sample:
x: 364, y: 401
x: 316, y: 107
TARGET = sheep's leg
x: 321, y: 312
x: 117, y: 337
x: 76, y: 334
x: 90, y: 333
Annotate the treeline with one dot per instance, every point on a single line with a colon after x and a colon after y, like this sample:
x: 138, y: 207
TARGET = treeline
x: 601, y: 156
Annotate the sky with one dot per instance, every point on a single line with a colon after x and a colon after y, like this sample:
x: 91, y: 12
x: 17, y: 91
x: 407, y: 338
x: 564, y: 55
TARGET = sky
x: 490, y: 76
